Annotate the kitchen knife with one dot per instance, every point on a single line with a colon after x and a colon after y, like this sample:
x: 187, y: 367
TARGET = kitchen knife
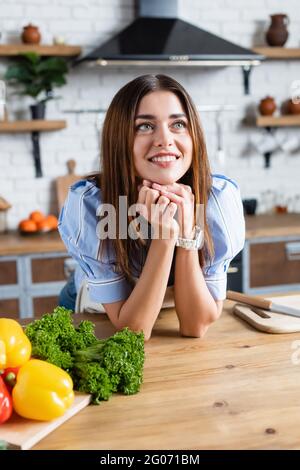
x: 264, y: 304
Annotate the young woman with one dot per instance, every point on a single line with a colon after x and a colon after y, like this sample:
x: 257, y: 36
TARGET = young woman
x: 153, y: 152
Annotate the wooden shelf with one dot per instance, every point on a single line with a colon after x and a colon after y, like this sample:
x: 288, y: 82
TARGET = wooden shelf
x: 278, y: 52
x: 278, y: 121
x: 37, y: 125
x: 47, y: 50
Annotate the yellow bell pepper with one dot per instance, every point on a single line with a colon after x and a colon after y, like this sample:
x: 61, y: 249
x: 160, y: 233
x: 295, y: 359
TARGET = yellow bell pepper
x: 43, y: 391
x: 2, y: 354
x: 15, y: 347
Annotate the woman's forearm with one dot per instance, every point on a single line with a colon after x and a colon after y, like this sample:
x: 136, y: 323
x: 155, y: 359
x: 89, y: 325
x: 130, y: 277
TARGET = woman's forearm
x: 195, y: 306
x: 142, y: 307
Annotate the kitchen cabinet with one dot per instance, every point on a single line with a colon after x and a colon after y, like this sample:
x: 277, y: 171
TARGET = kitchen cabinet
x: 271, y: 256
x: 32, y: 273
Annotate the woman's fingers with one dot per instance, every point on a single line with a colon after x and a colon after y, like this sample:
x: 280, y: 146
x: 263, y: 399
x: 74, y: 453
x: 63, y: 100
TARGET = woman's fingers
x: 162, y: 203
x: 171, y: 209
x: 175, y: 188
x: 147, y: 196
x: 173, y: 197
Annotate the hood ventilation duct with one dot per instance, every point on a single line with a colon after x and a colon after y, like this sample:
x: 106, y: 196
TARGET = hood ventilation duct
x: 158, y: 38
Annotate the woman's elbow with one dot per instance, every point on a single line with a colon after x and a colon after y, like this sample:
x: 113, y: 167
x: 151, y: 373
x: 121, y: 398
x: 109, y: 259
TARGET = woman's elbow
x: 198, y: 330
x: 195, y: 332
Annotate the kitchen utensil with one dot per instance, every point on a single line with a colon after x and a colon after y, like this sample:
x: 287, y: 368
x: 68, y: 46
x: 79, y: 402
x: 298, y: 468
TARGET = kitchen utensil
x: 289, y: 143
x: 267, y: 321
x: 21, y: 433
x: 264, y: 143
x: 266, y: 304
x: 63, y: 183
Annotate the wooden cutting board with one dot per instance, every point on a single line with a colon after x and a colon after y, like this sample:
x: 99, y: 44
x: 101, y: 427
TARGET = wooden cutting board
x: 271, y: 322
x: 21, y: 433
x: 63, y: 183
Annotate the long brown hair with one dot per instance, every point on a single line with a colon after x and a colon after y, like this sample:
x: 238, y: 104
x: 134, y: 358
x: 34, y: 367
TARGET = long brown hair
x: 118, y: 176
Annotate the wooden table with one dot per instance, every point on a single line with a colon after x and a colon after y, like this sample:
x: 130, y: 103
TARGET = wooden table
x: 236, y: 388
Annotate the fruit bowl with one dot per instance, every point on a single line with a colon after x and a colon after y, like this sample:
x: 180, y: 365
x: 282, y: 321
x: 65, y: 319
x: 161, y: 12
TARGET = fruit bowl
x: 38, y: 224
x: 36, y: 233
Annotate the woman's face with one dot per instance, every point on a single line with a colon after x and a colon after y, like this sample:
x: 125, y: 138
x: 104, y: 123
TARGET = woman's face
x: 163, y: 147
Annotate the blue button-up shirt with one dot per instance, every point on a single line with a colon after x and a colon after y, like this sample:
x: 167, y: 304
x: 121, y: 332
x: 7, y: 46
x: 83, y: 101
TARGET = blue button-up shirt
x: 78, y: 229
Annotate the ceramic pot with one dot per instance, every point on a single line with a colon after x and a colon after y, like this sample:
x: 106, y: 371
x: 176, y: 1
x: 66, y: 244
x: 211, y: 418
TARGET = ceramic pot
x: 277, y: 33
x: 267, y: 106
x: 31, y: 34
x: 38, y: 111
x: 293, y: 108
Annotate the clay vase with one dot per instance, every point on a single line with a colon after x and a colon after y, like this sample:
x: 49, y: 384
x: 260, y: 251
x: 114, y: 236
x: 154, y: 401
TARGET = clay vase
x: 277, y: 33
x: 293, y: 107
x: 267, y: 106
x: 31, y: 34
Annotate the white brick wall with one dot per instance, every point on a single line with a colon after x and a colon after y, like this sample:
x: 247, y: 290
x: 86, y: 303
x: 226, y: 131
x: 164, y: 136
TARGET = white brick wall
x: 91, y: 22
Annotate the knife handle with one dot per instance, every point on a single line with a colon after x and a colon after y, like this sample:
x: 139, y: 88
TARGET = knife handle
x: 249, y: 299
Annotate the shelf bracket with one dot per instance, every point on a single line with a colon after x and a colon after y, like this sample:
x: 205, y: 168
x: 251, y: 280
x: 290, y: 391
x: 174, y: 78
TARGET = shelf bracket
x: 268, y: 155
x: 35, y: 137
x: 246, y: 76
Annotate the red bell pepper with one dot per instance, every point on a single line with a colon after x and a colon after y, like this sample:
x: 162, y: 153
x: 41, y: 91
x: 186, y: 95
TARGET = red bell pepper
x: 6, y: 406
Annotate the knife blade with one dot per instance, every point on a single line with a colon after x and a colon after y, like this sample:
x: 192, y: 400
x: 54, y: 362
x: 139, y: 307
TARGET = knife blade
x: 262, y: 303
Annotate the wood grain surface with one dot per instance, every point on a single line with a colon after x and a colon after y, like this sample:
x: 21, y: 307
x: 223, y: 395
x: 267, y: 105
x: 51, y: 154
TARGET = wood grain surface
x: 237, y: 388
x: 12, y: 243
x: 272, y: 225
x: 41, y: 49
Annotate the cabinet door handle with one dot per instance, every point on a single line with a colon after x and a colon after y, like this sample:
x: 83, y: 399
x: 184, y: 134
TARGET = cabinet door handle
x: 232, y: 270
x: 292, y: 250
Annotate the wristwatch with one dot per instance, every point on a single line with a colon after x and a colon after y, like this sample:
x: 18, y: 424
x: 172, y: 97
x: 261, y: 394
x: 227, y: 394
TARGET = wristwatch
x: 192, y: 243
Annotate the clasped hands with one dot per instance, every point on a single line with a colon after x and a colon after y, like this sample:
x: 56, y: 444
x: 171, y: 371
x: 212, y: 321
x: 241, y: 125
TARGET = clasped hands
x: 177, y: 198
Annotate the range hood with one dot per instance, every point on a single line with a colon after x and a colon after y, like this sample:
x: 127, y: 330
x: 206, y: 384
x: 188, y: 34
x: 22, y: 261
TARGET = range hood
x: 158, y: 37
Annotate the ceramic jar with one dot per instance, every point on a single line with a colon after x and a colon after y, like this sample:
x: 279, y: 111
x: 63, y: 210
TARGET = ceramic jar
x: 277, y: 33
x: 267, y: 106
x: 293, y: 107
x: 31, y: 34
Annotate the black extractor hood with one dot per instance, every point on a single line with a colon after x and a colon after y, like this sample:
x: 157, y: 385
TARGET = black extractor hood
x: 158, y: 37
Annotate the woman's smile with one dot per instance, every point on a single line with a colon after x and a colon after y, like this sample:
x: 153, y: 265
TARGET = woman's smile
x: 164, y: 160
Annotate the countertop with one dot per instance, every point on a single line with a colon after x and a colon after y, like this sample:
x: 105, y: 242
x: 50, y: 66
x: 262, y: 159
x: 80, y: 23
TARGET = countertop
x: 12, y: 243
x: 263, y: 225
x: 272, y: 225
x: 236, y: 388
